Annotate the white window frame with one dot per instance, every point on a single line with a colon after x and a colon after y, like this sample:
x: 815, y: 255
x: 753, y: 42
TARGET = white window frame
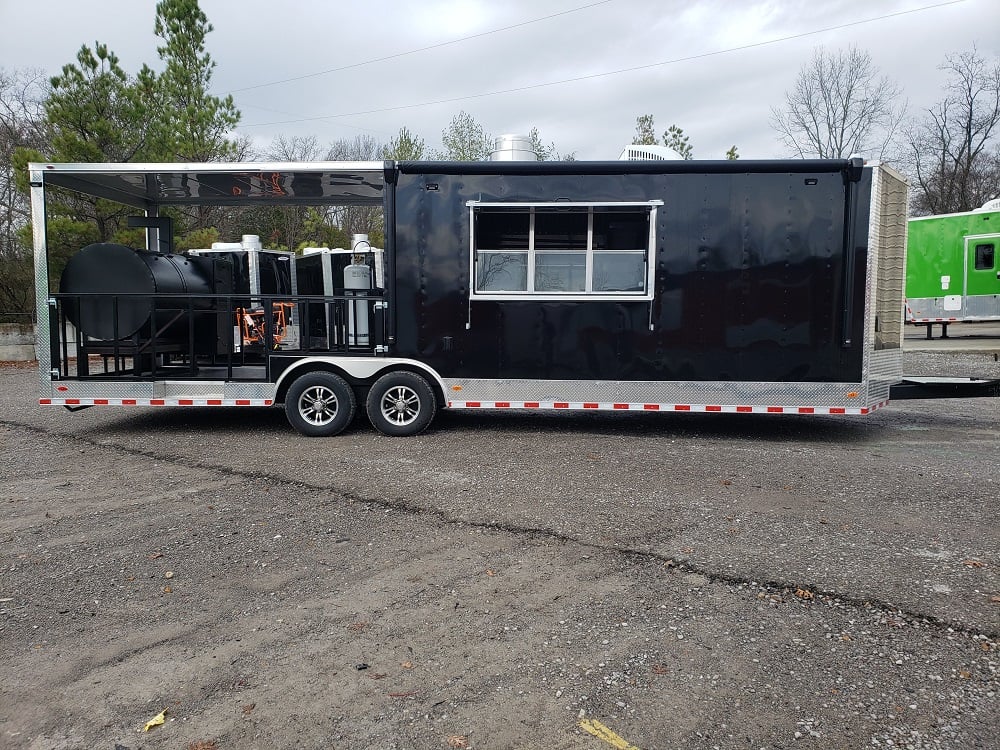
x: 586, y: 296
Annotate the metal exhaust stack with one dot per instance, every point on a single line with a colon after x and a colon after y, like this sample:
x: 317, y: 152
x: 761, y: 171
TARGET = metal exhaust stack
x: 511, y: 147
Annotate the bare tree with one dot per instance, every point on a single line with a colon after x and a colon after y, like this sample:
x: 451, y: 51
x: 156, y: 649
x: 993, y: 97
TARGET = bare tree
x: 22, y: 126
x: 285, y: 225
x: 839, y: 106
x: 358, y: 219
x: 359, y: 148
x: 953, y: 150
x: 294, y: 148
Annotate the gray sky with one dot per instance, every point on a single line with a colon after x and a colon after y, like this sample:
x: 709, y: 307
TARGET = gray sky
x: 719, y: 97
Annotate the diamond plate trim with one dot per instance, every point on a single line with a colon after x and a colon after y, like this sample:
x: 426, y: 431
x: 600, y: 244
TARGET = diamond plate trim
x: 154, y: 402
x: 90, y: 389
x: 931, y: 309
x: 251, y: 390
x: 762, y: 394
x: 708, y: 408
x: 41, y: 263
x: 886, y: 264
x: 882, y: 365
x: 887, y: 365
x: 160, y: 390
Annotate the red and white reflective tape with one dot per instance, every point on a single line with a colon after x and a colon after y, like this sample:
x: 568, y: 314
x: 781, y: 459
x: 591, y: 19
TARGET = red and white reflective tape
x: 721, y: 408
x: 155, y: 401
x: 914, y: 319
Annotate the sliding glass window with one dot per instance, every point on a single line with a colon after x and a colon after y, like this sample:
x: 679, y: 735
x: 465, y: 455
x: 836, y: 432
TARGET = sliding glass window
x: 558, y: 250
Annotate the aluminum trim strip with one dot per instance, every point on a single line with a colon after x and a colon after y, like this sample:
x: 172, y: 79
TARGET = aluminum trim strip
x: 41, y: 263
x: 974, y: 307
x: 154, y: 402
x: 764, y: 394
x: 161, y: 390
x: 215, y: 167
x: 560, y: 204
x: 695, y: 408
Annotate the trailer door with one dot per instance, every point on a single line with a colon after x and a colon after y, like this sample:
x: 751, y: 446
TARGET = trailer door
x: 982, y: 265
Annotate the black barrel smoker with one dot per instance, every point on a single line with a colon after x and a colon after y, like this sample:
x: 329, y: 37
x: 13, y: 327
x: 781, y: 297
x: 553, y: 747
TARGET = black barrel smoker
x: 124, y: 301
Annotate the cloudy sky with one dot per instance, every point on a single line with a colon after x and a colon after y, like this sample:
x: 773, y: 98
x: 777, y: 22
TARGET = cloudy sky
x: 580, y: 71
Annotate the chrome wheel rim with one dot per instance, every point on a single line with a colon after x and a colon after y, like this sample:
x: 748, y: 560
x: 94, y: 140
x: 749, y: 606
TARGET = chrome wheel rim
x: 318, y: 405
x: 400, y: 405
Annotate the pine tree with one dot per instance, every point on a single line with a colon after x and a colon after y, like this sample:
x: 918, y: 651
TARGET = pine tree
x: 193, y: 124
x: 645, y: 132
x: 674, y: 138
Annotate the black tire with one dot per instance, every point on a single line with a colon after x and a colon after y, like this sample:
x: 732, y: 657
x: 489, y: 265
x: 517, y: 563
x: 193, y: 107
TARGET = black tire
x: 401, y: 404
x: 320, y: 404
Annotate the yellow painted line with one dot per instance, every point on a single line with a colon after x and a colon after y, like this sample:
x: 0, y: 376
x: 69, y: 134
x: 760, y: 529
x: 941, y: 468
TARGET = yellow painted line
x: 596, y: 728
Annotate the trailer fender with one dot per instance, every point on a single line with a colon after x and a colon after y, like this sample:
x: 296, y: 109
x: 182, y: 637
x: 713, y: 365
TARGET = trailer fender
x: 358, y: 369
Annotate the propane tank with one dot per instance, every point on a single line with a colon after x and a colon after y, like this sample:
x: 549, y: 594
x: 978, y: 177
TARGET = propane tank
x: 358, y: 276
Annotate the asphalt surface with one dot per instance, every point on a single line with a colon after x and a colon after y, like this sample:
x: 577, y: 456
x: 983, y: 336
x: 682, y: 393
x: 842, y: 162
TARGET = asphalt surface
x: 505, y: 580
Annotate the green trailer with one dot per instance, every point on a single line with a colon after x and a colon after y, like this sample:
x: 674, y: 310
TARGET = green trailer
x: 953, y: 267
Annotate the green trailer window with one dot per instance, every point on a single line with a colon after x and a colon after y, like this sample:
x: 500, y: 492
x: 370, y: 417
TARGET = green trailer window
x: 985, y: 257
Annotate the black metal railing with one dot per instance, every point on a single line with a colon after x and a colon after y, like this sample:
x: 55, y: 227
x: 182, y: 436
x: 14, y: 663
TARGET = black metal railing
x: 232, y: 337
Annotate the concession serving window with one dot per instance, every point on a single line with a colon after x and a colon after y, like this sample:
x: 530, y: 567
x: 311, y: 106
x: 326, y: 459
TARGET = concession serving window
x: 562, y: 250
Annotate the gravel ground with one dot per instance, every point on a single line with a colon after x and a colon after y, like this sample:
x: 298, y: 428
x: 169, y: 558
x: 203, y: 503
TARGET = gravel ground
x: 508, y: 580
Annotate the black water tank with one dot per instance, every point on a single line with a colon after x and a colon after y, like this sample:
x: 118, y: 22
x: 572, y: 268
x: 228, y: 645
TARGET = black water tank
x: 108, y: 269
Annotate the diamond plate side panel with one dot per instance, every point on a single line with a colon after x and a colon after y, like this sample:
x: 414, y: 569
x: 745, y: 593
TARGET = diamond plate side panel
x: 922, y: 308
x: 189, y: 389
x: 886, y: 262
x: 878, y: 392
x: 887, y: 365
x: 666, y: 392
x: 978, y: 307
x: 90, y: 389
x: 41, y: 262
x: 250, y: 390
x: 104, y: 389
x: 892, y: 260
x: 886, y: 276
x: 871, y: 270
x: 982, y: 307
x: 886, y: 369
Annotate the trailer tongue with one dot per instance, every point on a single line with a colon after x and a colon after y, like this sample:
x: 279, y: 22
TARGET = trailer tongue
x: 943, y: 387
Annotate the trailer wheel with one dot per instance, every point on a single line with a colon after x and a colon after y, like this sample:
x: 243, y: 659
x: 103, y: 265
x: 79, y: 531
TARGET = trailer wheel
x: 400, y: 404
x: 319, y: 404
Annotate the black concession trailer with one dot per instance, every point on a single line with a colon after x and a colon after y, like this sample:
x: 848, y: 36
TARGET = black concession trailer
x: 735, y: 286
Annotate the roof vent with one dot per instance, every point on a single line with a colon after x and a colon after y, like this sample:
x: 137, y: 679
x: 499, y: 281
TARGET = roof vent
x: 645, y: 153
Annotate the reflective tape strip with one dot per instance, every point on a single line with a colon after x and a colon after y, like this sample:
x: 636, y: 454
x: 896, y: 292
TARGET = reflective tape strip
x: 156, y: 401
x: 617, y: 406
x: 910, y: 317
